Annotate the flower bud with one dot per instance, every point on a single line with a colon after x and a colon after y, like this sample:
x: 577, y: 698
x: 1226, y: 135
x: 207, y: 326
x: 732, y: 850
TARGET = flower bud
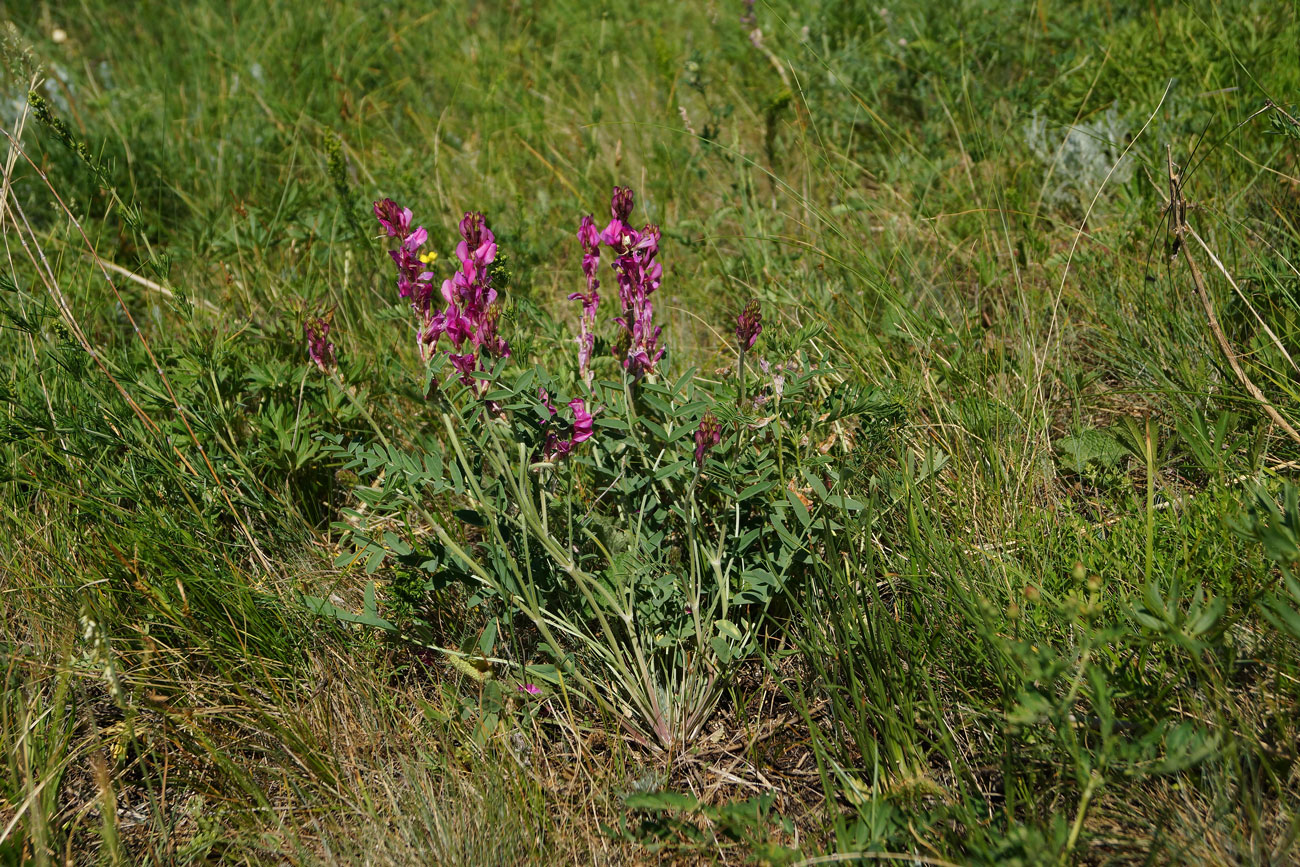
x: 620, y: 204
x: 707, y: 436
x: 749, y: 324
x: 319, y: 348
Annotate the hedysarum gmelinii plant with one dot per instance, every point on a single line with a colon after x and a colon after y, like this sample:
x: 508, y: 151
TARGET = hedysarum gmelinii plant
x: 627, y: 524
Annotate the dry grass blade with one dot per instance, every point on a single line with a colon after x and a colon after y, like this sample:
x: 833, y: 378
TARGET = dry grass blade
x: 1177, y: 210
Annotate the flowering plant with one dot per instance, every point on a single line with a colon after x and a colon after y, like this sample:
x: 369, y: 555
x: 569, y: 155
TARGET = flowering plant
x: 319, y: 348
x: 640, y: 523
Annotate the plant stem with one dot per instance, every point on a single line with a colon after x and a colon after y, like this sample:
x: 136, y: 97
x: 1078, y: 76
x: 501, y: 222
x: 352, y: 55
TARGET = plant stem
x: 1151, y: 497
x: 740, y: 397
x: 1094, y: 782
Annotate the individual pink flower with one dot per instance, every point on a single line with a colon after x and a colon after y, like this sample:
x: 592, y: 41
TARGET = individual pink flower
x: 396, y: 220
x: 530, y: 688
x: 410, y: 270
x: 620, y: 203
x: 555, y: 444
x: 620, y: 207
x: 479, y: 244
x: 588, y: 237
x: 466, y: 364
x: 489, y: 340
x: 583, y: 424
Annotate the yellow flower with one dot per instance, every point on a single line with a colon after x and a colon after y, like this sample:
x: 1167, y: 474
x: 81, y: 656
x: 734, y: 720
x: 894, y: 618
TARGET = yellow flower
x: 429, y: 258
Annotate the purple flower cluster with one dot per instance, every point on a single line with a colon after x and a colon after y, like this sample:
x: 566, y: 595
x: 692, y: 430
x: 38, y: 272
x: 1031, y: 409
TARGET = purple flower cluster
x: 471, y: 318
x: 319, y: 348
x: 413, y: 281
x: 708, y: 435
x: 638, y: 275
x: 778, y: 373
x: 590, y: 241
x: 556, y: 445
x: 749, y: 325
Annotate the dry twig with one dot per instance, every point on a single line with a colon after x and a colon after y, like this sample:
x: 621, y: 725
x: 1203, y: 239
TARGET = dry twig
x: 1179, y: 229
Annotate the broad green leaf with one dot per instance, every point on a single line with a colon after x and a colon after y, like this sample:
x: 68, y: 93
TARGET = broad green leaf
x: 395, y: 544
x: 1154, y: 601
x: 670, y: 469
x: 488, y: 639
x: 800, y: 510
x: 729, y: 629
x: 1282, y: 615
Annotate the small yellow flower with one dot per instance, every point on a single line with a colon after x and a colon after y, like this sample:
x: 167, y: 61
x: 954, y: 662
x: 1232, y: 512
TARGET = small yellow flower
x: 430, y: 257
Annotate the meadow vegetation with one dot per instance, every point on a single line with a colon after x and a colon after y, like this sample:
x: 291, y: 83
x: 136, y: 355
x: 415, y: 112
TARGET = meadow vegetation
x: 948, y: 519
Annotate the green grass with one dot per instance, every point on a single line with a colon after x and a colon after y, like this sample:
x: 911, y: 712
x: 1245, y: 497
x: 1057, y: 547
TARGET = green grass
x: 1052, y: 634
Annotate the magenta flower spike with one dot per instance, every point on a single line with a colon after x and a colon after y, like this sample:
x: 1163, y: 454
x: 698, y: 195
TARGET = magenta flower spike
x: 471, y: 318
x: 749, y: 325
x: 638, y: 276
x: 708, y: 435
x: 319, y: 348
x: 589, y: 238
x: 413, y: 280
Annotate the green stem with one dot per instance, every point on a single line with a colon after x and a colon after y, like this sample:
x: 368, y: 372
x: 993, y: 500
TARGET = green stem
x: 631, y: 411
x: 695, y: 558
x: 740, y: 398
x: 1094, y: 782
x: 1151, y: 498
